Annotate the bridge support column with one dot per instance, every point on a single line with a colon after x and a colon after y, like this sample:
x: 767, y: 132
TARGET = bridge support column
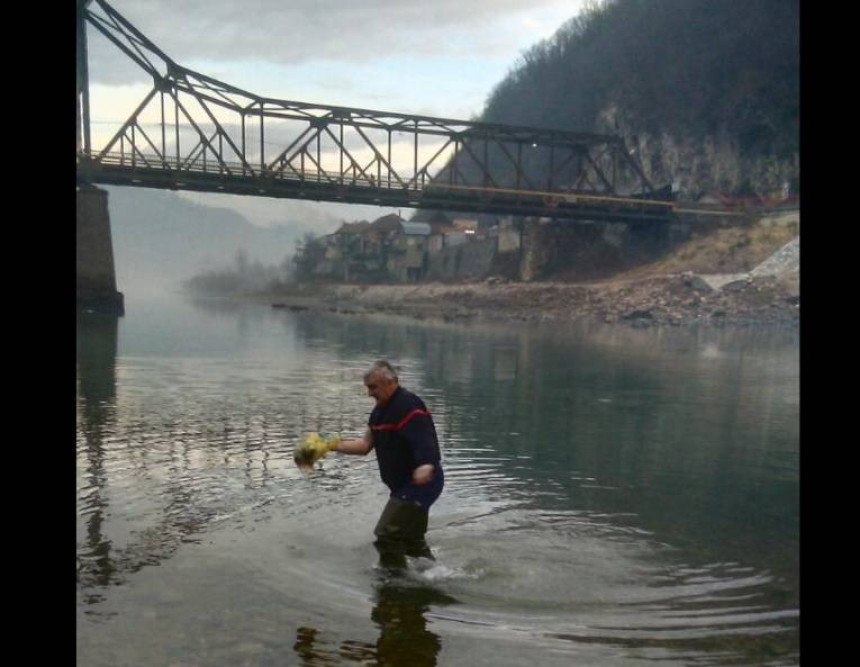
x: 96, y: 278
x: 536, y: 250
x: 586, y: 250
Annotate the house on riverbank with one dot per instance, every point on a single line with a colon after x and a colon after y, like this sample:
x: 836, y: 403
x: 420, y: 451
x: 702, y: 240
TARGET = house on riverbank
x: 431, y: 246
x: 385, y: 250
x: 425, y: 249
x: 409, y: 252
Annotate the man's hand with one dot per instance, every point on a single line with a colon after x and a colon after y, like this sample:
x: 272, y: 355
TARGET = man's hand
x: 333, y: 442
x: 422, y: 474
x: 311, y: 448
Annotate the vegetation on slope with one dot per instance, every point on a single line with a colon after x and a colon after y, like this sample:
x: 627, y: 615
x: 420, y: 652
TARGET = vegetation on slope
x: 683, y: 67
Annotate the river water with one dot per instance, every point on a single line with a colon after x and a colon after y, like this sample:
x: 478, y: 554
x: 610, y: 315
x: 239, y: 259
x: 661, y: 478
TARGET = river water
x: 614, y: 496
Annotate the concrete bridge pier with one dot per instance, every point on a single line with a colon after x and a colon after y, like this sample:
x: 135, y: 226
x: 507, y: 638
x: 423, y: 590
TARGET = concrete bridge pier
x: 587, y: 250
x: 96, y: 278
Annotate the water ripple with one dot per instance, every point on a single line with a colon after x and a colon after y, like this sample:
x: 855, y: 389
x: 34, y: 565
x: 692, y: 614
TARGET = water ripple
x: 606, y: 500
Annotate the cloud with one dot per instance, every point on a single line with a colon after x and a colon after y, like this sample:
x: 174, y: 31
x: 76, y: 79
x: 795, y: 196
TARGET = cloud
x: 299, y: 31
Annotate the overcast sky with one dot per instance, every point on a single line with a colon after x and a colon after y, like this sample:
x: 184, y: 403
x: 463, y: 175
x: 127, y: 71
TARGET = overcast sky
x: 427, y: 57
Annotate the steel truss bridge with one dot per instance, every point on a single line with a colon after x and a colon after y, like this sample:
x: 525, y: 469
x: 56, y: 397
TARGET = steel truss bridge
x: 193, y: 132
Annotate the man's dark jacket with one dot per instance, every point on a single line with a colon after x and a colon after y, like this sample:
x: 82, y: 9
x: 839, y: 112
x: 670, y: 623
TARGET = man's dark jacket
x: 404, y: 437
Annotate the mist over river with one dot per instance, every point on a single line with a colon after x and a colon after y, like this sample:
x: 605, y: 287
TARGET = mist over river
x: 614, y: 496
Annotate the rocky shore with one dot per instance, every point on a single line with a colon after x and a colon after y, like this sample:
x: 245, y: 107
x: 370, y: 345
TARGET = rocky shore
x: 667, y: 300
x: 732, y: 277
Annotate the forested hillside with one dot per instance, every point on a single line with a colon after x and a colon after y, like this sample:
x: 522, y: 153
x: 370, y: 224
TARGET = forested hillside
x: 706, y: 91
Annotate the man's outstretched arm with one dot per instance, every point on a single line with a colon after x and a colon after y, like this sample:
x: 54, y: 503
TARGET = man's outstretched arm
x: 358, y: 446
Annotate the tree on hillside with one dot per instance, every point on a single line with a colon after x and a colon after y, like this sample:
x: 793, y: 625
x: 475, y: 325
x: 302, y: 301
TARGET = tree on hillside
x: 682, y: 67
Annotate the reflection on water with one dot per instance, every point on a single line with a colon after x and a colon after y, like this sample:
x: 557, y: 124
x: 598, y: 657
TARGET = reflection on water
x: 96, y: 360
x: 400, y: 612
x: 613, y: 495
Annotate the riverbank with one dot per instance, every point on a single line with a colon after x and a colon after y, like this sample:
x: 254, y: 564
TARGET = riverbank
x: 677, y: 299
x: 738, y: 276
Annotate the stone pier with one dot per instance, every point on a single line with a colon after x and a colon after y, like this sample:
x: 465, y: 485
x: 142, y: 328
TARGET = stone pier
x: 591, y: 250
x: 96, y: 277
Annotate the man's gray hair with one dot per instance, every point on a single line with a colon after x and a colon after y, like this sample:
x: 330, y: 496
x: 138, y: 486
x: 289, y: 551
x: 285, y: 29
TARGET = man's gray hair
x: 382, y: 367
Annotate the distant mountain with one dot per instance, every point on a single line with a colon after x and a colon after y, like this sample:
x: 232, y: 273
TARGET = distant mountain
x: 161, y: 238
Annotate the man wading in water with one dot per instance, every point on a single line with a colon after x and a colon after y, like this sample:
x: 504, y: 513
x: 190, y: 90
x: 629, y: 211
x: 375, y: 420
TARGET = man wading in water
x: 402, y: 432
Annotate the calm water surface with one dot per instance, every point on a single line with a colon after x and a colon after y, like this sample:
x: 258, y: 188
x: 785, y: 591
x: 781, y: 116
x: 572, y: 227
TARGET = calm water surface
x: 614, y: 496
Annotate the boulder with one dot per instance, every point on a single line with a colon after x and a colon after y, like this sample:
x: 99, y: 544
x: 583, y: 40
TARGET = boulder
x: 639, y: 315
x: 697, y: 284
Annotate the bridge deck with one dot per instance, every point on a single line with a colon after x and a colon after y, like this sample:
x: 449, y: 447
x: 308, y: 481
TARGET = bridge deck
x: 238, y: 179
